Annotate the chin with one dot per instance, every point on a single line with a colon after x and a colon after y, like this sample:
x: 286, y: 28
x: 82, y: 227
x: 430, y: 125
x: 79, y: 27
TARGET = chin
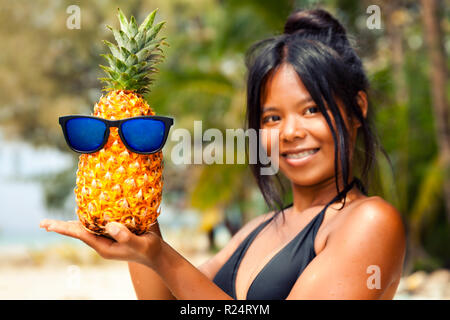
x: 318, y: 169
x: 308, y: 177
x: 305, y: 182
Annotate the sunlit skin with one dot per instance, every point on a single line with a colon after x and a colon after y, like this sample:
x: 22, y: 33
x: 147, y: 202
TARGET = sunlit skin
x: 367, y: 232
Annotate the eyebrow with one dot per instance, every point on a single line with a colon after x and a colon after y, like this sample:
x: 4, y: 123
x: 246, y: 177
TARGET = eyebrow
x: 300, y: 102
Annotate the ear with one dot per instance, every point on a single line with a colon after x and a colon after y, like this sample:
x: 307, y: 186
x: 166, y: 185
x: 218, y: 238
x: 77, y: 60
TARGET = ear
x: 361, y: 98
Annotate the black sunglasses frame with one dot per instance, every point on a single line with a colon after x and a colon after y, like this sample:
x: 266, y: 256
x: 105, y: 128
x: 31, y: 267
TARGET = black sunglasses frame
x: 168, y: 122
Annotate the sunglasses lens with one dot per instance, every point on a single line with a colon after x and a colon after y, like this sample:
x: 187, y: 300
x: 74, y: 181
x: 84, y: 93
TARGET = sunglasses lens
x: 144, y: 135
x: 85, y: 134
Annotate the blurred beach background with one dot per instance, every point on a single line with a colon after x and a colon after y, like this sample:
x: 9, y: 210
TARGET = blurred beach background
x: 48, y: 70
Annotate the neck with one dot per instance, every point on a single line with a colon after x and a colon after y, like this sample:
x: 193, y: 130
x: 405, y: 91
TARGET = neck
x: 318, y: 194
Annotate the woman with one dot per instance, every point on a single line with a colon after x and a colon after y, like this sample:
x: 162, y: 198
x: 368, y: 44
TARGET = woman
x: 333, y: 242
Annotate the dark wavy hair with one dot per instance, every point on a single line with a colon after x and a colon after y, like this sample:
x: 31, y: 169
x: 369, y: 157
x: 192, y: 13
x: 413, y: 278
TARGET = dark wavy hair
x: 316, y: 45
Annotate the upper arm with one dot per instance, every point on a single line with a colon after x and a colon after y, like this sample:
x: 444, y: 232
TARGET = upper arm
x: 213, y: 265
x: 361, y: 258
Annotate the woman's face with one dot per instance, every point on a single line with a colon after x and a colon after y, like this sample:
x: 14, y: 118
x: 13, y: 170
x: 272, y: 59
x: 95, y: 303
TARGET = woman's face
x: 306, y: 145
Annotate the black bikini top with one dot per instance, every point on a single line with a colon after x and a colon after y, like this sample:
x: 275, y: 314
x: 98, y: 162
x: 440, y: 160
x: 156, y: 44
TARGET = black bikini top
x: 277, y: 277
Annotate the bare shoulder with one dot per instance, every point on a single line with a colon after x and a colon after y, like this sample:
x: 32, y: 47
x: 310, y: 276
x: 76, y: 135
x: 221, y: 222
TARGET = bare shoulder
x: 369, y: 236
x: 373, y: 224
x: 376, y: 213
x: 213, y: 265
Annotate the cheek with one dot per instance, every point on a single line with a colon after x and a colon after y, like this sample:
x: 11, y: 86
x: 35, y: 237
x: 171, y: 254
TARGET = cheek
x: 327, y: 147
x: 322, y: 133
x: 326, y: 140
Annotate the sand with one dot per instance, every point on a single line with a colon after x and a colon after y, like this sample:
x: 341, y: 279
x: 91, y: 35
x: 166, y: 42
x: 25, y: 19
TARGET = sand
x: 67, y: 282
x: 65, y: 272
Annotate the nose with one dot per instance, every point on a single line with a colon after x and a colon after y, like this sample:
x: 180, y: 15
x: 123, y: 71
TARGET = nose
x: 292, y: 129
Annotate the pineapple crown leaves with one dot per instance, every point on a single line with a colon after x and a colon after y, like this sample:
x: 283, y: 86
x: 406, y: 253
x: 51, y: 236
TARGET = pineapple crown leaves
x: 134, y: 57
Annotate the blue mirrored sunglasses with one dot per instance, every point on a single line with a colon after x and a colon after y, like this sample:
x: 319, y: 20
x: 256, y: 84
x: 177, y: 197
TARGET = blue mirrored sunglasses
x: 89, y: 134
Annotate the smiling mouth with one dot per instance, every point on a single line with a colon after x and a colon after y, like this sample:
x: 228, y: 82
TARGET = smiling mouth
x: 300, y: 155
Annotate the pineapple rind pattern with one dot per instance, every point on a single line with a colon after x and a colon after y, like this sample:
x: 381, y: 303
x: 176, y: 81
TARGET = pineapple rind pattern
x: 115, y: 184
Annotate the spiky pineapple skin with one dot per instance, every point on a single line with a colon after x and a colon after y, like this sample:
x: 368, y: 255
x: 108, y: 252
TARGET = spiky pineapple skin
x: 115, y: 184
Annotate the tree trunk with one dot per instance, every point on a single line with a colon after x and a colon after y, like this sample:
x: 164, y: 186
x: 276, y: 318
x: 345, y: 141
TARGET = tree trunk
x: 394, y: 32
x: 395, y: 22
x: 438, y: 80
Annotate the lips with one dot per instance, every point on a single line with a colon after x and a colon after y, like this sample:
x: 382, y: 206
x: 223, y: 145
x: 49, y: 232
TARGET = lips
x: 300, y: 157
x: 299, y: 153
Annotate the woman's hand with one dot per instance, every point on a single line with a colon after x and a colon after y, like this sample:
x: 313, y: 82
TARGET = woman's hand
x: 125, y: 246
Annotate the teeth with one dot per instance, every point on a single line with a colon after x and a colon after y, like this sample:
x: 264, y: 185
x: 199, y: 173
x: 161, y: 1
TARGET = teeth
x: 301, y: 154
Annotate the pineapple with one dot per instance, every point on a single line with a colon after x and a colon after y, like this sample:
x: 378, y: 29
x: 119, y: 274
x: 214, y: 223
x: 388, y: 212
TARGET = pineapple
x: 115, y: 184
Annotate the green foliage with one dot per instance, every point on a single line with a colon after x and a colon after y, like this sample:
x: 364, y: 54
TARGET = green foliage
x: 227, y: 179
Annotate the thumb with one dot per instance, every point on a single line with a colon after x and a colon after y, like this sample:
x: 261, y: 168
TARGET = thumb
x: 119, y: 232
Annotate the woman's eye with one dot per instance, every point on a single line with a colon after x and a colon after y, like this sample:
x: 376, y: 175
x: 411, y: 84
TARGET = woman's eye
x: 271, y: 119
x: 312, y: 110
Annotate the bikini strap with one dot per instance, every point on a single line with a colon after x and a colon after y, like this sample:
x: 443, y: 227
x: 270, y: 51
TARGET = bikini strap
x: 319, y: 218
x: 343, y: 192
x: 360, y: 186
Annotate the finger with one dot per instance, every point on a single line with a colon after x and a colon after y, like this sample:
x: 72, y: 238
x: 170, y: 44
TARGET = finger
x: 67, y: 228
x: 45, y: 223
x: 76, y: 230
x: 123, y: 235
x: 106, y: 248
